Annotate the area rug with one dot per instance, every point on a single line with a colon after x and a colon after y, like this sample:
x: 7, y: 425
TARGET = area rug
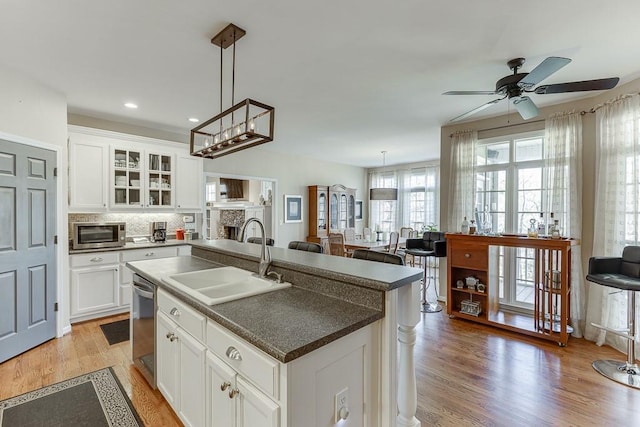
x: 116, y: 332
x: 95, y: 399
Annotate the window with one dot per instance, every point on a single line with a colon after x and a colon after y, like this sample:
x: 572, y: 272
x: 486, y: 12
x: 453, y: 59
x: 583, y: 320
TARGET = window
x: 210, y: 190
x: 510, y: 195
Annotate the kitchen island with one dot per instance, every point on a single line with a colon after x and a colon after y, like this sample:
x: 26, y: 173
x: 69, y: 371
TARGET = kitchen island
x: 337, y: 310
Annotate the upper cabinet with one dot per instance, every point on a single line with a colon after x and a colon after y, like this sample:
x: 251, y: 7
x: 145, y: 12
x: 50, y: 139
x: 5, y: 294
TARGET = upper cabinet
x: 88, y: 174
x: 131, y: 173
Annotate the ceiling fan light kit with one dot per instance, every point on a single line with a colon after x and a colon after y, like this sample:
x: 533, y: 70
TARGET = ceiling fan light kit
x: 516, y: 85
x: 241, y: 126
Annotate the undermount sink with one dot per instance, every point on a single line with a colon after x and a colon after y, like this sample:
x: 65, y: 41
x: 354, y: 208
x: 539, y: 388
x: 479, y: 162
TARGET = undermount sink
x: 218, y: 285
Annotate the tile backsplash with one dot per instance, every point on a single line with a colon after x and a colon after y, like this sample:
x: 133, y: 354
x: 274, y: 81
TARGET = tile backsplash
x: 137, y: 223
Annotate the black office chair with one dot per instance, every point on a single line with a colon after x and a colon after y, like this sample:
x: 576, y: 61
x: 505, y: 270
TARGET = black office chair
x: 305, y: 246
x: 620, y: 273
x: 258, y: 240
x: 432, y: 244
x: 378, y: 256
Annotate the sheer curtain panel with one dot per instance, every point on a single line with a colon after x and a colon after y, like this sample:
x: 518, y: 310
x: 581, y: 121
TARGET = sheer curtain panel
x: 617, y: 208
x: 462, y: 180
x: 563, y: 175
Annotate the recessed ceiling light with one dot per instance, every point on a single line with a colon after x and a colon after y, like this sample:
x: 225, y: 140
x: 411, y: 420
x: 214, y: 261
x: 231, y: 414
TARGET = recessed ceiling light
x: 131, y: 105
x: 193, y: 119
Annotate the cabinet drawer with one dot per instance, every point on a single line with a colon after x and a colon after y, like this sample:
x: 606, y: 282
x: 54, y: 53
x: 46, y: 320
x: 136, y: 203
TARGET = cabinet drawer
x: 250, y: 362
x: 93, y: 259
x: 149, y: 253
x: 469, y: 256
x: 186, y: 317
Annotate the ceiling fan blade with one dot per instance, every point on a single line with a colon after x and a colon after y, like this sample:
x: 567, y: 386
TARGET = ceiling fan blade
x: 475, y: 110
x: 525, y: 107
x: 542, y: 71
x: 598, y: 84
x: 470, y: 92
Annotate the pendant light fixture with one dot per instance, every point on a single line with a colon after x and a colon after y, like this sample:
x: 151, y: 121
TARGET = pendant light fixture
x: 241, y: 126
x: 383, y: 193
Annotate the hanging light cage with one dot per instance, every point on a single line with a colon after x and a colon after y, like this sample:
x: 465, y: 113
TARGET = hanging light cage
x: 244, y: 125
x: 383, y: 194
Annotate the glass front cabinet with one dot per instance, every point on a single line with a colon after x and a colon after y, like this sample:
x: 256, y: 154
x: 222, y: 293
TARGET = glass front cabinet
x: 141, y: 179
x: 331, y: 210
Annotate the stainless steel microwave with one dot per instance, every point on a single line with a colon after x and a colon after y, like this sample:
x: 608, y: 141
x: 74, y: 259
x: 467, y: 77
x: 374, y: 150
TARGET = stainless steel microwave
x: 95, y: 235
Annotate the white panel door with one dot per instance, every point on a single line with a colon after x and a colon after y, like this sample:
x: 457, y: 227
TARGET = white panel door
x: 220, y: 381
x: 189, y: 186
x: 191, y: 378
x: 254, y: 408
x: 88, y: 174
x: 167, y: 359
x: 27, y: 248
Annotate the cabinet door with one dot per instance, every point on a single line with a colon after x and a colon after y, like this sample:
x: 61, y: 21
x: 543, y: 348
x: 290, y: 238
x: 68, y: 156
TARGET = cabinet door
x: 189, y: 186
x: 127, y: 178
x: 253, y: 408
x: 94, y: 289
x: 88, y: 173
x: 220, y: 380
x: 191, y: 379
x: 167, y: 359
x: 160, y: 180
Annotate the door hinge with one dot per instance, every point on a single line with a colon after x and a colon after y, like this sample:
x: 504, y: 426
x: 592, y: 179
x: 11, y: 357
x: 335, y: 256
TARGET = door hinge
x: 55, y: 171
x: 55, y: 306
x: 55, y: 239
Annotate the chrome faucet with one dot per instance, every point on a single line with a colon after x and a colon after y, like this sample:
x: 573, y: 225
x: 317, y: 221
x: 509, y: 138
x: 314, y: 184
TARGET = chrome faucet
x: 265, y: 255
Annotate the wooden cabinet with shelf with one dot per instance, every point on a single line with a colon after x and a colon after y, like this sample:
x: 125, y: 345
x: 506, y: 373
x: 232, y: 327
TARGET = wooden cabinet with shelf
x: 474, y: 256
x: 331, y: 210
x: 318, y: 213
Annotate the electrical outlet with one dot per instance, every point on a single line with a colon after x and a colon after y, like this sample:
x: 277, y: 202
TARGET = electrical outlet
x: 341, y: 410
x: 187, y: 218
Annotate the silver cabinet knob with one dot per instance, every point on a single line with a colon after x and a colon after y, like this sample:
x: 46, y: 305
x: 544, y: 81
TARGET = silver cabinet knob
x: 171, y: 336
x: 150, y: 254
x: 225, y: 385
x: 96, y: 259
x: 175, y: 312
x: 233, y: 393
x: 233, y: 353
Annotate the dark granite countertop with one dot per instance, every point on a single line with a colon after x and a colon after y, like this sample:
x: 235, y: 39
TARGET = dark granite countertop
x: 131, y: 245
x: 286, y: 324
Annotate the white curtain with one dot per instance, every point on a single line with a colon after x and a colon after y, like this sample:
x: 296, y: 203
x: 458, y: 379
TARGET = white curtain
x: 617, y: 208
x: 563, y: 175
x: 462, y: 179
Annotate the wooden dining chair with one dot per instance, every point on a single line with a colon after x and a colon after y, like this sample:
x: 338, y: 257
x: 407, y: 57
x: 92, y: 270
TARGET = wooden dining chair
x: 394, y: 238
x: 336, y: 244
x: 406, y: 232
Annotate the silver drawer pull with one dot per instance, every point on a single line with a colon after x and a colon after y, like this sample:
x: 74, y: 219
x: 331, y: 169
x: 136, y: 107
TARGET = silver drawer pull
x: 225, y: 385
x: 174, y: 312
x: 233, y: 393
x: 171, y: 336
x: 233, y: 353
x: 96, y: 259
x: 150, y: 254
x: 467, y: 255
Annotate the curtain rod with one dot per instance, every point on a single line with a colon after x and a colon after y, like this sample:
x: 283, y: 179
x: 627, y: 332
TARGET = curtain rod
x: 504, y: 127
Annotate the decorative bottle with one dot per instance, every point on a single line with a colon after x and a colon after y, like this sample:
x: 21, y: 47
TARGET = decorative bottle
x: 472, y: 227
x: 555, y: 229
x: 464, y: 228
x: 542, y: 227
x: 533, y: 229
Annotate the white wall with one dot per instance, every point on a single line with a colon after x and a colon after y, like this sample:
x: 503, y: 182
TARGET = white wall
x: 293, y: 174
x: 36, y: 115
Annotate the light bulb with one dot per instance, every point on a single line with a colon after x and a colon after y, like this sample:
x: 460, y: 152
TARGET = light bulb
x: 225, y: 134
x: 252, y: 125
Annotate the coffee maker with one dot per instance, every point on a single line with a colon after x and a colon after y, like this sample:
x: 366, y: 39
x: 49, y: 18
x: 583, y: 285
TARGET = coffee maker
x: 158, y: 231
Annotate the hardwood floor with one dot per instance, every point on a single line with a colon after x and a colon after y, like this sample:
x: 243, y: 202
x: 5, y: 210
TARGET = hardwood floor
x: 468, y: 375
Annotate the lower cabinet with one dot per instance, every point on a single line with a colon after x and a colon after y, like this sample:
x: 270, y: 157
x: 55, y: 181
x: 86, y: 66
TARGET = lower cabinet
x: 181, y: 370
x: 233, y: 401
x: 211, y: 377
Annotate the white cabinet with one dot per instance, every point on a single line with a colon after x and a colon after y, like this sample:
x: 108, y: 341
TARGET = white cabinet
x: 233, y: 402
x: 93, y: 286
x: 181, y: 359
x: 88, y: 174
x: 189, y: 186
x: 253, y: 229
x: 113, y: 172
x: 140, y: 178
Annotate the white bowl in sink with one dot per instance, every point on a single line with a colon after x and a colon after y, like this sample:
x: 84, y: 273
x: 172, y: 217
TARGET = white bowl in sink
x: 218, y: 285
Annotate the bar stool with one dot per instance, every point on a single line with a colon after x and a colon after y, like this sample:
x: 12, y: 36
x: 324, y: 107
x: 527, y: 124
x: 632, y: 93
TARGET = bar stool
x: 621, y: 273
x: 432, y: 244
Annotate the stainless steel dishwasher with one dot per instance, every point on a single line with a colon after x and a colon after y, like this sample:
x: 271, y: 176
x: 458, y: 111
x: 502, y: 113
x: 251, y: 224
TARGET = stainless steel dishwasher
x: 143, y: 342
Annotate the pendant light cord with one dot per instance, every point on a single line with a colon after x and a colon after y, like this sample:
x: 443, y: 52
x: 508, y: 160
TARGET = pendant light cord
x: 221, y: 87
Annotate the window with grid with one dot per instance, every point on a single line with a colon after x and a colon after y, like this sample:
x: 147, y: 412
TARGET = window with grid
x: 510, y: 195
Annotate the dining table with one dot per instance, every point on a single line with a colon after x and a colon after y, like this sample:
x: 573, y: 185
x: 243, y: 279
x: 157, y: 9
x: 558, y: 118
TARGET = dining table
x: 372, y: 245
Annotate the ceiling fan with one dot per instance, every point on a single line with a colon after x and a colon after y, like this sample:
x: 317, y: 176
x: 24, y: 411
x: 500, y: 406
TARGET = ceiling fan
x: 516, y: 85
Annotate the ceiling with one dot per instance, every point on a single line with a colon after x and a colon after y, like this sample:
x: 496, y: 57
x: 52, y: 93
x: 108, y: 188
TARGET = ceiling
x: 348, y: 79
